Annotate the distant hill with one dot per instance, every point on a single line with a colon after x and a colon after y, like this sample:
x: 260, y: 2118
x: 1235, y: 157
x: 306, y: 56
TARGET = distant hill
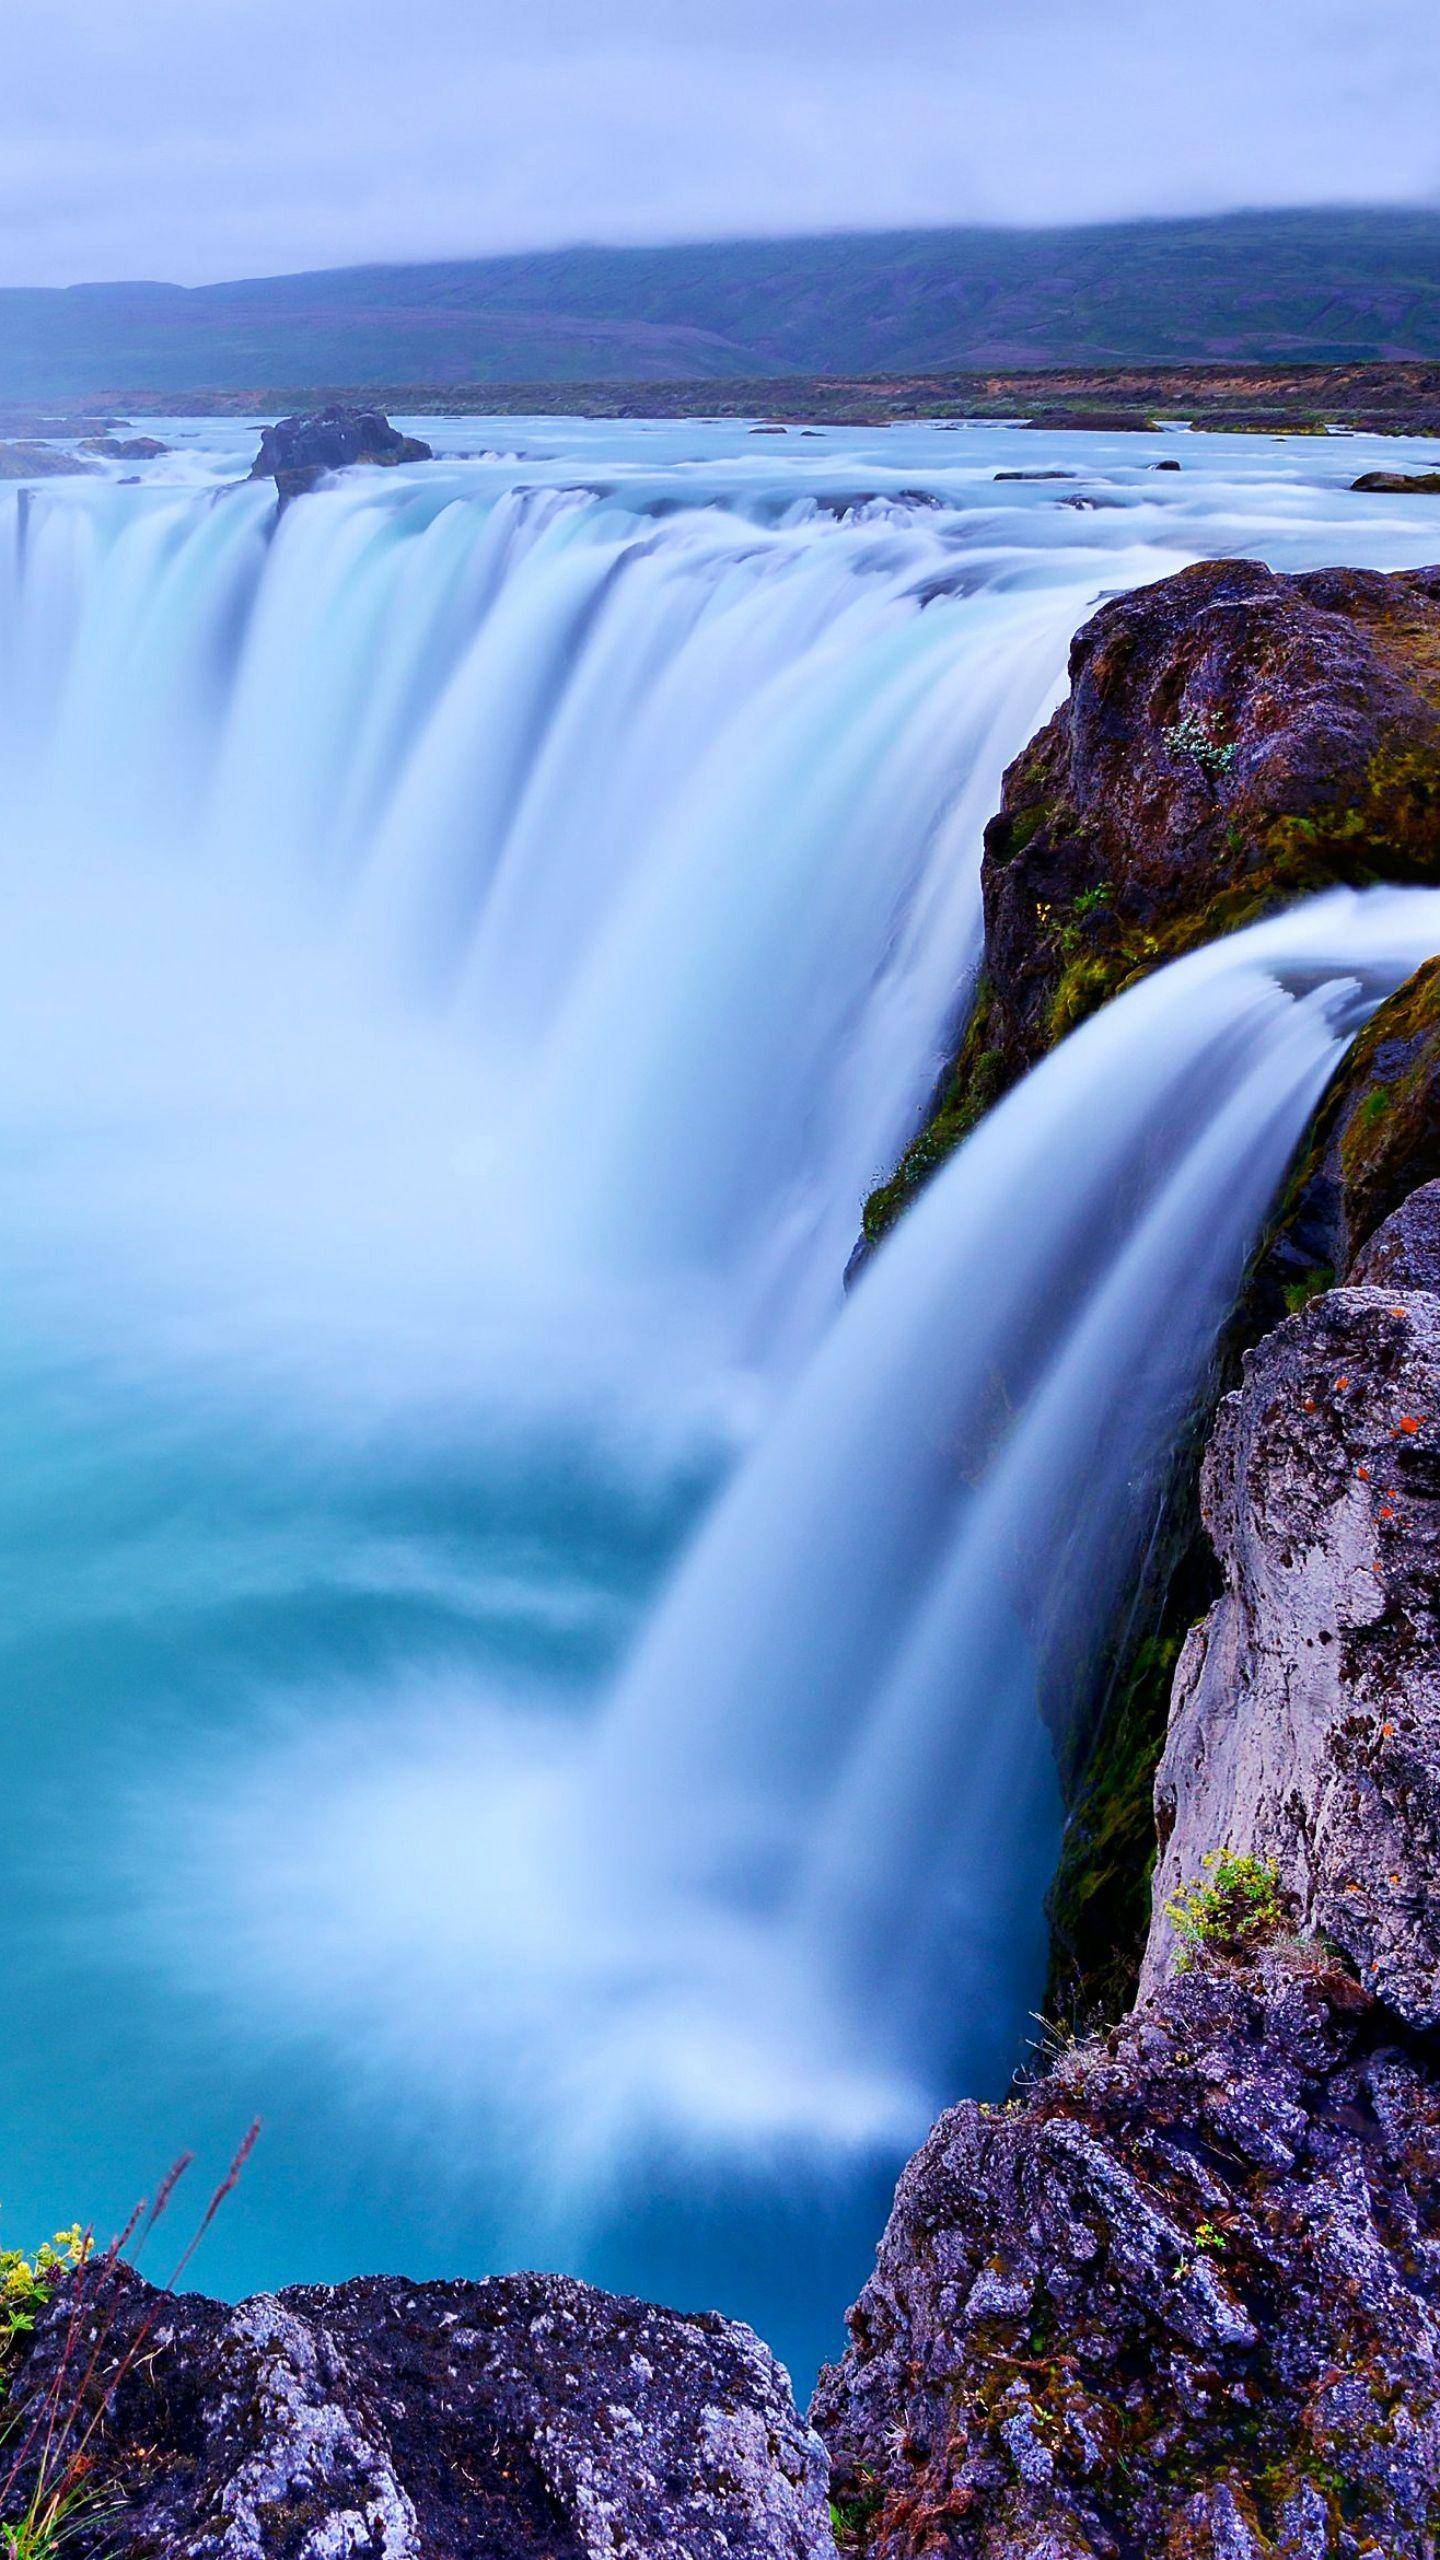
x: 1331, y: 287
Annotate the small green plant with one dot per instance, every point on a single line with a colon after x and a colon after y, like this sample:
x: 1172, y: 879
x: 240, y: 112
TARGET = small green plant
x: 1193, y: 735
x: 1238, y: 1907
x: 850, y: 2516
x: 27, y: 2280
x: 1209, y: 2236
x: 1312, y: 1284
x: 1089, y: 902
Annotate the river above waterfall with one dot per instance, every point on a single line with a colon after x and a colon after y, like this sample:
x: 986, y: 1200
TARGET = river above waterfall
x: 511, y: 1677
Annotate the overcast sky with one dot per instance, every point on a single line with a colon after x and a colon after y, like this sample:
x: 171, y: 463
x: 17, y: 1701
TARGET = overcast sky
x: 203, y: 138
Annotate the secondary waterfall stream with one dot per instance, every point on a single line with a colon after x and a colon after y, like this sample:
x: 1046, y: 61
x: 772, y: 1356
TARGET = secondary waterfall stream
x: 512, y: 1677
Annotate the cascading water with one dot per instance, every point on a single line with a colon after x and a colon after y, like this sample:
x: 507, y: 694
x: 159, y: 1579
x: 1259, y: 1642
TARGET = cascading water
x: 469, y: 952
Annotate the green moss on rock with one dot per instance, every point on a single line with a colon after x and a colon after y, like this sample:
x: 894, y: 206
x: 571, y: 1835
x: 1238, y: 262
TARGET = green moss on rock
x: 1118, y: 849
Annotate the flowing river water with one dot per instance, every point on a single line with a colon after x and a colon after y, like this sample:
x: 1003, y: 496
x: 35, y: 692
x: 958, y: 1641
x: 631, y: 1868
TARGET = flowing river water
x: 509, y: 1674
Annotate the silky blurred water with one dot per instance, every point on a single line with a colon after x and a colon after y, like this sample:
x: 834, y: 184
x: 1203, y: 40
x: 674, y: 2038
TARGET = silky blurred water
x: 506, y: 1679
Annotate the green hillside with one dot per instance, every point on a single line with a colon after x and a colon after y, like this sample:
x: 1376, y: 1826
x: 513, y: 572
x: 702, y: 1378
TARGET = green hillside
x: 1322, y: 286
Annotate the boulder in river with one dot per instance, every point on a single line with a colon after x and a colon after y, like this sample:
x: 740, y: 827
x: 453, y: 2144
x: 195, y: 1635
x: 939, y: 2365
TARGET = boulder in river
x: 1400, y: 484
x: 296, y: 452
x: 124, y: 448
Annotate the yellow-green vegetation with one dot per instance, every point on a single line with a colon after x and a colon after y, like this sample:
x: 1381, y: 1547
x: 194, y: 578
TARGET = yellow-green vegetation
x: 60, y: 2498
x: 1238, y: 1908
x: 975, y: 1081
x: 27, y: 2280
x: 1376, y: 1136
x: 1391, y: 1141
x: 850, y: 2516
x: 46, y: 2526
x: 1091, y: 948
x: 1099, y: 1903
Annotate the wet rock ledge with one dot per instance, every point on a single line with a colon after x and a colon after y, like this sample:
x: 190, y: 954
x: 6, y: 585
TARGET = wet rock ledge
x: 525, y: 2418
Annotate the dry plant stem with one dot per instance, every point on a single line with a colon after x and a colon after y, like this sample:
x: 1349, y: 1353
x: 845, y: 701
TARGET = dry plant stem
x: 62, y: 2464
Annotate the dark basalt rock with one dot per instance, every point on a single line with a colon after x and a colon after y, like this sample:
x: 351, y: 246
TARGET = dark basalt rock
x: 1400, y: 484
x: 296, y: 452
x: 526, y: 2418
x: 1233, y: 739
x: 1405, y: 1252
x: 1180, y: 2303
x: 1093, y: 421
x: 124, y: 448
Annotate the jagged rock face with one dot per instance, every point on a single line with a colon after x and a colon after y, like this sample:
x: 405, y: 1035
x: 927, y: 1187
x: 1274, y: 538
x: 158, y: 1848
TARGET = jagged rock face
x: 1181, y: 2300
x: 525, y: 2418
x: 1305, y: 1724
x: 1405, y: 1252
x: 1233, y: 738
x: 295, y: 452
x: 1182, y: 2303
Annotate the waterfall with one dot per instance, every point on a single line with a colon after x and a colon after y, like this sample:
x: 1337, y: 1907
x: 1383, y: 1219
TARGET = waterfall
x: 788, y: 1883
x: 562, y: 1698
x: 959, y: 1481
x: 534, y: 783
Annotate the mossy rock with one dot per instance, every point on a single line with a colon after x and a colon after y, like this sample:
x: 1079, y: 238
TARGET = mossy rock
x: 1233, y: 741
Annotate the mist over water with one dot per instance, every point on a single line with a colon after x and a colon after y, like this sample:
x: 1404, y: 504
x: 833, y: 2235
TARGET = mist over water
x: 512, y: 1676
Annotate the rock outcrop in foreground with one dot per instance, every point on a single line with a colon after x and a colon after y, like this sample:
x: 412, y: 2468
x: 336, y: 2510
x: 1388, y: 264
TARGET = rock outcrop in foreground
x: 1182, y: 2300
x: 1183, y: 2304
x: 296, y: 452
x: 526, y: 2418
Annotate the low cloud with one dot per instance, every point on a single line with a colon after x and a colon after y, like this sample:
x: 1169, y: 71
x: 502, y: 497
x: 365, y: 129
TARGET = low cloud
x: 200, y: 138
